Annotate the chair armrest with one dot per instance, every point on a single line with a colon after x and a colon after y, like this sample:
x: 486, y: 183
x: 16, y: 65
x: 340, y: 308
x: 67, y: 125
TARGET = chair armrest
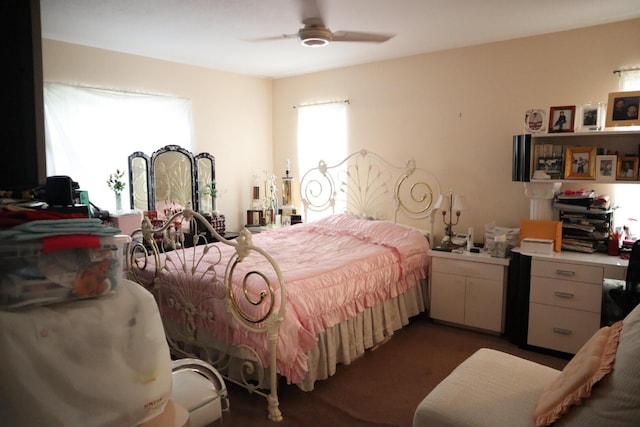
x: 206, y: 370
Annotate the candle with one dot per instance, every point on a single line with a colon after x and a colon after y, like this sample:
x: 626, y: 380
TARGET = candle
x: 288, y: 168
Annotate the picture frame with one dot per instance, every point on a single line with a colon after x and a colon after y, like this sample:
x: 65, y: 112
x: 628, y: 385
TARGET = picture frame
x: 606, y: 167
x: 590, y: 117
x: 534, y: 120
x: 627, y: 168
x: 623, y: 109
x: 552, y: 166
x: 580, y: 163
x: 562, y: 119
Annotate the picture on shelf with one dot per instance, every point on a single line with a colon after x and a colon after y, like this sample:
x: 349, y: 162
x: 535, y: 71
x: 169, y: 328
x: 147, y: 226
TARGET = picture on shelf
x: 606, y: 167
x: 561, y: 119
x: 534, y: 121
x: 624, y: 109
x: 552, y: 166
x: 627, y: 169
x: 580, y: 163
x: 590, y: 116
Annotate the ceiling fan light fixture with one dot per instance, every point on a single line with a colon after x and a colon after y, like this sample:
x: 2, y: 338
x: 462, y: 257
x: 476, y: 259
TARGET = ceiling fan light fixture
x: 314, y: 37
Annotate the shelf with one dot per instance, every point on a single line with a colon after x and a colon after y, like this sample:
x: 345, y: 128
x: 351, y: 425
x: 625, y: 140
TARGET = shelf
x: 582, y: 181
x: 548, y: 151
x: 621, y: 133
x: 579, y: 210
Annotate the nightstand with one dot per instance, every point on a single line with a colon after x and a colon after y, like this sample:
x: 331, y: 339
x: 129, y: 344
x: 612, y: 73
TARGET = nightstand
x: 468, y: 289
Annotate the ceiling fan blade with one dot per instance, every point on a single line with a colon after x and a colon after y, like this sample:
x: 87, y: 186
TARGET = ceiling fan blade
x: 354, y: 36
x: 272, y: 38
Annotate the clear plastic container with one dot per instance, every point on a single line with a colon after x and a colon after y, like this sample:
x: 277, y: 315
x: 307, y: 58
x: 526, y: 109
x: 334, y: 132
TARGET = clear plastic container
x: 30, y: 277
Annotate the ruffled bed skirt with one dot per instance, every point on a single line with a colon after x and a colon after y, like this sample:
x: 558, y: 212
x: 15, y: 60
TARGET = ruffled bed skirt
x: 339, y: 344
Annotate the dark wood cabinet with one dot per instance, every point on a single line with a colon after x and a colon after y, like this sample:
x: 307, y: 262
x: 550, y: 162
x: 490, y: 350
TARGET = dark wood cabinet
x: 23, y: 161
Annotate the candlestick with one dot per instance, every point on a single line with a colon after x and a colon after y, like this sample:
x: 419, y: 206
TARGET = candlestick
x: 286, y: 191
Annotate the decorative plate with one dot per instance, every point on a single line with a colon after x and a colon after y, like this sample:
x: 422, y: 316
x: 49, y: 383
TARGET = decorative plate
x: 534, y: 120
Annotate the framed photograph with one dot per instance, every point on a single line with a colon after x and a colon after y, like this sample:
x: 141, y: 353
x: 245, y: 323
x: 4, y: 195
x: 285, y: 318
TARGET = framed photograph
x: 590, y: 117
x: 561, y: 119
x: 580, y: 163
x: 606, y: 165
x: 552, y: 166
x: 534, y: 121
x: 627, y: 168
x: 623, y: 109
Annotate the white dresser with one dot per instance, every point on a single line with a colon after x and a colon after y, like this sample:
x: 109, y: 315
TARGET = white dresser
x: 565, y: 297
x: 468, y: 289
x: 564, y: 304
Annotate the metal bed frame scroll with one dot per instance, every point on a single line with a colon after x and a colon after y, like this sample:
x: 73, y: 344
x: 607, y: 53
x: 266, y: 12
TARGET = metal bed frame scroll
x: 184, y: 232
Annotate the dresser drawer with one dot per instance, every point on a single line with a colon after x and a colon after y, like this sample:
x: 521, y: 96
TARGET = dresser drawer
x: 468, y: 268
x: 567, y: 271
x: 616, y: 272
x: 559, y: 328
x: 565, y: 293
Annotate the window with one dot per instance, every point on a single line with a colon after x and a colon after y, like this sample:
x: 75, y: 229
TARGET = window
x: 629, y: 79
x: 91, y: 132
x: 626, y: 195
x: 322, y: 134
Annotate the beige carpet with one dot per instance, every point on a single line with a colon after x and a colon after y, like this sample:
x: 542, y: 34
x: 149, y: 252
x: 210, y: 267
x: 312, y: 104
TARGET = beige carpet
x: 383, y: 387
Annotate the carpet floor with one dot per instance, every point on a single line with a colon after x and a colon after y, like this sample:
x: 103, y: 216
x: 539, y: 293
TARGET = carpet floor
x: 381, y: 388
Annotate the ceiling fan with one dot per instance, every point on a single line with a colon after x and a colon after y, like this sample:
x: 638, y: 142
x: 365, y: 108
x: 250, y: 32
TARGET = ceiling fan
x: 316, y: 34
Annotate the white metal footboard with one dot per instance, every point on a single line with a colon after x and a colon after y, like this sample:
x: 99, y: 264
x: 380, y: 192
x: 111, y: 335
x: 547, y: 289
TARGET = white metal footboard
x: 192, y: 278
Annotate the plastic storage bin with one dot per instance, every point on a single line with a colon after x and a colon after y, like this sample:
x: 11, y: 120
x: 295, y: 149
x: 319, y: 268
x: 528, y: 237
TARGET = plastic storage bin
x: 29, y: 277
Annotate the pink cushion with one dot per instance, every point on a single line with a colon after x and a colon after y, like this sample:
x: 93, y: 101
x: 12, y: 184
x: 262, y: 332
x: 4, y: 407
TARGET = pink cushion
x: 592, y: 362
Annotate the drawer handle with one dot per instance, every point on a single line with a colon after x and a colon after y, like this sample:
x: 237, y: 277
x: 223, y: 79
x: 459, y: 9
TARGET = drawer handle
x: 565, y: 272
x: 562, y: 331
x: 564, y: 294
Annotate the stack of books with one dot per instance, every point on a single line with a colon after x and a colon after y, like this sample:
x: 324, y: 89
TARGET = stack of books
x: 577, y: 245
x: 581, y: 201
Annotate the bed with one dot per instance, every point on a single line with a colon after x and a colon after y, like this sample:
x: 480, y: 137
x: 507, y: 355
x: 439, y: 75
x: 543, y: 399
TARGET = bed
x: 290, y: 304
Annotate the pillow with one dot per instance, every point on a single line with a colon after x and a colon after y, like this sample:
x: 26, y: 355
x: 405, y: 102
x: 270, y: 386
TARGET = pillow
x: 615, y: 400
x: 592, y: 362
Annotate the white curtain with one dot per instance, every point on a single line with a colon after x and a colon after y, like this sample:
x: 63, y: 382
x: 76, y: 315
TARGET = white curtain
x: 629, y: 79
x: 91, y: 132
x: 322, y: 135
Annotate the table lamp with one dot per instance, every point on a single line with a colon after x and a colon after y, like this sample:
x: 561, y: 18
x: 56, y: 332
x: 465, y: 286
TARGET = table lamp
x: 454, y: 208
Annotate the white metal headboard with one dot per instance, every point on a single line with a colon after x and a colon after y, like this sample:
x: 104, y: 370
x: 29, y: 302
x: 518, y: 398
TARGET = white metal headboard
x: 366, y: 185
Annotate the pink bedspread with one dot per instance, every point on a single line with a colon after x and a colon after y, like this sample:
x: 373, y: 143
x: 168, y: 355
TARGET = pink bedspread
x: 333, y: 269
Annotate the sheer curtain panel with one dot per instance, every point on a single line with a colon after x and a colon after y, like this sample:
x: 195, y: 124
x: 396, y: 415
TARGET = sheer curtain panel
x: 322, y: 134
x: 90, y: 133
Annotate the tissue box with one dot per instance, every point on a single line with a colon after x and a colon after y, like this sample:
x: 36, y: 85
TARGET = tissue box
x: 540, y: 229
x: 498, y: 248
x: 29, y: 277
x: 127, y: 222
x: 537, y: 246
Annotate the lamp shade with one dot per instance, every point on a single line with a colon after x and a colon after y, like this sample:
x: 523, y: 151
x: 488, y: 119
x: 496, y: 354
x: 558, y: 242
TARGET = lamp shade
x: 457, y: 203
x: 438, y: 204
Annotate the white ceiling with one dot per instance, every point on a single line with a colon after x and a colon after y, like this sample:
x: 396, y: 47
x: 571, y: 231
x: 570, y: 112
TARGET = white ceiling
x: 218, y: 33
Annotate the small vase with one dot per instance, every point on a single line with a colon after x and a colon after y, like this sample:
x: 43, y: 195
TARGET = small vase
x: 214, y: 207
x: 118, y: 202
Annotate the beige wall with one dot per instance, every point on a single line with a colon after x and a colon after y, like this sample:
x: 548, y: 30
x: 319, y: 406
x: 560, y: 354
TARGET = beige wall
x: 231, y: 113
x: 456, y: 111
